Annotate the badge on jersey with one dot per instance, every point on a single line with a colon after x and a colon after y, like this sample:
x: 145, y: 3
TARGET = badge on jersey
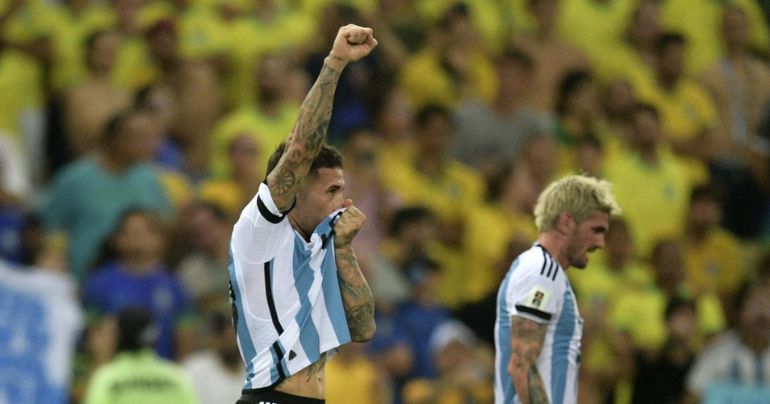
x: 538, y: 298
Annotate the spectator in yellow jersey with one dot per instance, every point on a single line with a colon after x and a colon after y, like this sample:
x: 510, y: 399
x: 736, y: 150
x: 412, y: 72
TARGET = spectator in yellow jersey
x: 452, y: 65
x: 712, y: 255
x: 688, y: 116
x: 352, y: 377
x: 651, y: 183
x: 268, y: 120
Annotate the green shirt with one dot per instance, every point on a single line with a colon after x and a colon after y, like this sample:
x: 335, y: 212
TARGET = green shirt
x: 140, y: 377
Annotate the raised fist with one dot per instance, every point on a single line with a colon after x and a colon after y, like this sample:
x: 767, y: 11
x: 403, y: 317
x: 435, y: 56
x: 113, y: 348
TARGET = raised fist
x: 353, y: 43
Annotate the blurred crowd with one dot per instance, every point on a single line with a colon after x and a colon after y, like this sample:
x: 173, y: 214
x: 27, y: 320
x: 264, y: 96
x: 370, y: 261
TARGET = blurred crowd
x: 132, y: 132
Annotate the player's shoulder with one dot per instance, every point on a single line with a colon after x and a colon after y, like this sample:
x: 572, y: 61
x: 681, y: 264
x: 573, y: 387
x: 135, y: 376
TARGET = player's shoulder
x: 537, y: 262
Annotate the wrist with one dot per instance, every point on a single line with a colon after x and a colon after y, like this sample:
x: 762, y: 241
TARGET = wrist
x: 335, y: 62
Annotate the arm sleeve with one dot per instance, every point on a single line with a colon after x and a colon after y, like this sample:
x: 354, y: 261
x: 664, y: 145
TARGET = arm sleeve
x: 261, y: 228
x: 533, y: 295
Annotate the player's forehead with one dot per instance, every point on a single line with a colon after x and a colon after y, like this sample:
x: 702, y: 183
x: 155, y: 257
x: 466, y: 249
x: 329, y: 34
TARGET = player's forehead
x: 328, y: 177
x: 598, y: 219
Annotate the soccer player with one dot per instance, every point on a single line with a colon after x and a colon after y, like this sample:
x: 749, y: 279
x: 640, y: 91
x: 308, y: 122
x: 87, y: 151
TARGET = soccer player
x: 297, y: 290
x: 538, y: 327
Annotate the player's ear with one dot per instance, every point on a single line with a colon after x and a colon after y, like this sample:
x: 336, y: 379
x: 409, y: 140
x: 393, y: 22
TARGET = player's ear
x: 565, y: 223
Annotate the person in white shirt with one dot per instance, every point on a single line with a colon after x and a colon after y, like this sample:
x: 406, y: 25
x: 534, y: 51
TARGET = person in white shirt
x: 538, y: 327
x: 296, y: 288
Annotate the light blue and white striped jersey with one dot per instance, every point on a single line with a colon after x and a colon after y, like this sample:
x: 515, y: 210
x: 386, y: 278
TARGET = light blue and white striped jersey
x: 286, y: 297
x: 536, y: 288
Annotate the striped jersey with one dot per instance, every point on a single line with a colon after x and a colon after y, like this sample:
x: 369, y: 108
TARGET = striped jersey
x: 287, y: 304
x: 536, y: 288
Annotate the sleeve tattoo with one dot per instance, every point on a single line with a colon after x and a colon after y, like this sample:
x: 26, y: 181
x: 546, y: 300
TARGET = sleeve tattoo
x: 526, y: 343
x: 356, y: 295
x: 306, y: 138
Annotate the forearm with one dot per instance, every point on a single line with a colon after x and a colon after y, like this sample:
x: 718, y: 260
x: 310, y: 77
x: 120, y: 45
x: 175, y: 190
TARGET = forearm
x: 528, y: 383
x: 357, y: 297
x: 308, y: 135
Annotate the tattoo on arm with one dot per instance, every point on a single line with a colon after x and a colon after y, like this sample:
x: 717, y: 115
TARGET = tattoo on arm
x: 316, y: 366
x: 356, y: 295
x: 536, y: 390
x: 527, y: 338
x: 306, y: 138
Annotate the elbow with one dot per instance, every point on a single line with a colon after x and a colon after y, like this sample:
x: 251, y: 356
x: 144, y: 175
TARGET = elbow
x: 365, y: 334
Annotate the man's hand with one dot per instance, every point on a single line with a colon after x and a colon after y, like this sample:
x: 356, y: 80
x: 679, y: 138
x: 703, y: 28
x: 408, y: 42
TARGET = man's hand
x: 348, y: 226
x: 352, y: 43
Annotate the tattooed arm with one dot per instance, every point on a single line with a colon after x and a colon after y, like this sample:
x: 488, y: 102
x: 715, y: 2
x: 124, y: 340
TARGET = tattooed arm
x: 356, y: 295
x: 526, y: 343
x: 307, y: 137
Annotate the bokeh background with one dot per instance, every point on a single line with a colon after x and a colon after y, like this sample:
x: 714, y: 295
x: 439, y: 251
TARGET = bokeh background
x: 450, y: 129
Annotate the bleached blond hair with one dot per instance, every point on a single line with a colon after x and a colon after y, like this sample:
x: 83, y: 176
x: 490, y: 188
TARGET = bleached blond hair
x: 579, y: 195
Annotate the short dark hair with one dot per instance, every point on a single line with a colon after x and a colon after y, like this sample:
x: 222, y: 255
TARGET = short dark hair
x: 427, y: 112
x: 667, y: 39
x: 513, y: 54
x: 136, y: 329
x: 677, y: 303
x: 328, y: 157
x: 642, y: 107
x: 705, y: 193
x: 406, y: 216
x: 116, y: 123
x: 568, y: 85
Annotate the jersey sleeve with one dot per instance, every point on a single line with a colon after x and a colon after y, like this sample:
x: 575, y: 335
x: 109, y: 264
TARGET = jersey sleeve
x: 261, y: 229
x: 533, y: 292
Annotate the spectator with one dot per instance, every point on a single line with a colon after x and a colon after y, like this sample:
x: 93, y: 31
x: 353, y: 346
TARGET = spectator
x: 352, y: 376
x: 735, y: 364
x: 660, y: 377
x: 85, y: 200
x: 552, y: 56
x: 136, y: 276
x: 217, y: 371
x: 651, y: 184
x: 203, y: 271
x: 137, y: 374
x: 712, y: 255
x: 41, y: 324
x: 739, y: 84
x: 89, y: 105
x: 489, y: 135
x: 687, y: 114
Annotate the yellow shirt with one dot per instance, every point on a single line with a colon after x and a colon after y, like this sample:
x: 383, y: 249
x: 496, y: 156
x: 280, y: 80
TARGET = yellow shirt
x: 654, y: 199
x: 450, y: 195
x: 21, y: 86
x: 351, y: 381
x: 134, y: 67
x: 427, y: 82
x: 715, y: 265
x: 701, y: 21
x: 593, y: 25
x: 224, y: 193
x: 488, y: 233
x: 685, y: 112
x: 268, y: 131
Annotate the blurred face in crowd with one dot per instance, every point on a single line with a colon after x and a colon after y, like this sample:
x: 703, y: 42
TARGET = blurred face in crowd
x: 244, y: 155
x: 361, y: 150
x: 397, y: 115
x: 704, y: 214
x: 682, y: 323
x: 164, y: 41
x: 646, y: 130
x: 207, y: 230
x: 619, y: 240
x: 545, y: 11
x: 619, y: 98
x: 671, y: 61
x: 755, y: 315
x: 271, y: 77
x: 102, y: 52
x: 435, y: 134
x: 140, y: 236
x: 645, y: 25
x: 668, y: 263
x: 584, y: 101
x: 514, y: 79
x: 137, y: 139
x: 735, y: 28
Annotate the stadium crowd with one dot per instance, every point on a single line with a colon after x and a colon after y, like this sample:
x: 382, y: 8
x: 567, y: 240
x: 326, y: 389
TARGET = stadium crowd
x: 132, y: 132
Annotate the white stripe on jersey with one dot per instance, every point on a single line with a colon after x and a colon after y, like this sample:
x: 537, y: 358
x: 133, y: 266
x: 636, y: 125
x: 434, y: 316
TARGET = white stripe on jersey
x: 537, y: 288
x: 287, y: 302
